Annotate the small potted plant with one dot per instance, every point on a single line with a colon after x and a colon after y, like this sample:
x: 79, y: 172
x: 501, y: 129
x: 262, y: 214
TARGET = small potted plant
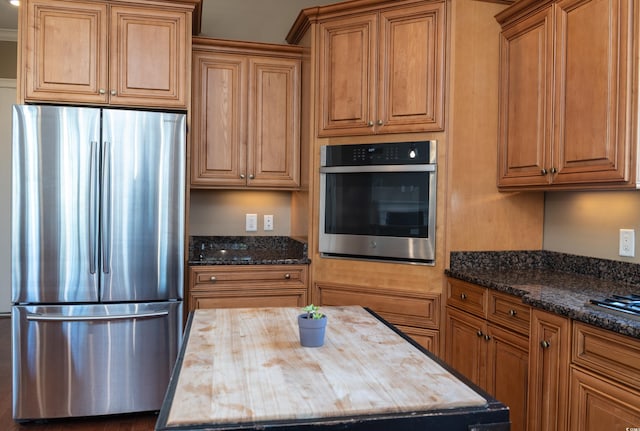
x: 311, y: 324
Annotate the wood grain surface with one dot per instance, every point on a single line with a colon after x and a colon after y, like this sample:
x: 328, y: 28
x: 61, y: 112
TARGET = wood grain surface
x: 245, y: 365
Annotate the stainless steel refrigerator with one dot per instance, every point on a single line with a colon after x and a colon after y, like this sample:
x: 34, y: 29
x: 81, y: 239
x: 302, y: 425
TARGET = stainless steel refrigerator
x: 98, y: 209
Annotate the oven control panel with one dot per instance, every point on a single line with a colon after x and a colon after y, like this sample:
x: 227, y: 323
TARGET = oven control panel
x: 397, y: 153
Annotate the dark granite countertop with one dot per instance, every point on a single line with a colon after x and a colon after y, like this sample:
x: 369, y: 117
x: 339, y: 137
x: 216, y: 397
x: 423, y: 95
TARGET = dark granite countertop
x: 555, y: 282
x: 246, y: 250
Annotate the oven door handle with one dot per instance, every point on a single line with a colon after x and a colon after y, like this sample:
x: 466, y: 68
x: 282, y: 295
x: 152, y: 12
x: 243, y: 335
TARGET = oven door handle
x: 377, y: 168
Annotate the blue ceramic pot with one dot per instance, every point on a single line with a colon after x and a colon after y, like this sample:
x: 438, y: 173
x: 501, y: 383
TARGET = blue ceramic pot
x: 311, y: 330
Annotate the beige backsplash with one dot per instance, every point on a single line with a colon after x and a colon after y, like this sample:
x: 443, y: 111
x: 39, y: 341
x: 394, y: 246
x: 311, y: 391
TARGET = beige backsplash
x: 222, y: 212
x: 588, y: 223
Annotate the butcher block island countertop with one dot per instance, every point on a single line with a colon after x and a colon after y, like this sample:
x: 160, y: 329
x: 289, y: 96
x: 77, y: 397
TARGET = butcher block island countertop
x: 244, y: 369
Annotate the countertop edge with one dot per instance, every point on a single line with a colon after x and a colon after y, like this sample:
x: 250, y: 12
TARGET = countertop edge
x: 584, y: 313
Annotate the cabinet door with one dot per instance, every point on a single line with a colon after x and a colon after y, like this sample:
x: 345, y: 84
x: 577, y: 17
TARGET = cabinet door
x: 600, y: 404
x: 465, y: 346
x: 347, y: 77
x: 218, y: 154
x: 549, y: 354
x: 65, y: 51
x: 411, y: 69
x: 507, y: 372
x: 273, y: 158
x: 526, y: 68
x: 594, y: 52
x: 149, y: 61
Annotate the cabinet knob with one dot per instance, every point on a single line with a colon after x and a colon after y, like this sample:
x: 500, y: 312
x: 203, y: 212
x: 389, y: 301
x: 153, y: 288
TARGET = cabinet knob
x: 213, y: 279
x: 101, y: 91
x: 545, y: 344
x: 242, y: 176
x: 287, y: 276
x: 380, y: 122
x: 543, y: 171
x: 554, y: 170
x: 114, y: 92
x: 463, y: 296
x: 370, y: 124
x: 479, y: 334
x: 487, y: 337
x: 512, y: 313
x: 251, y: 176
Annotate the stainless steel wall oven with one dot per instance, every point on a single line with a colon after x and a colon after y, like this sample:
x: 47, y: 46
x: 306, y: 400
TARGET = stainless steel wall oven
x: 378, y: 201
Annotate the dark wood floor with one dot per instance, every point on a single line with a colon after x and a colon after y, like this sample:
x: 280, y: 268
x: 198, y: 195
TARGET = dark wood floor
x: 140, y: 422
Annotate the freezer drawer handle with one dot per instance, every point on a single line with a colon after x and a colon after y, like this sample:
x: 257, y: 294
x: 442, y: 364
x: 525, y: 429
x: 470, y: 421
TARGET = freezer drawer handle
x: 40, y: 317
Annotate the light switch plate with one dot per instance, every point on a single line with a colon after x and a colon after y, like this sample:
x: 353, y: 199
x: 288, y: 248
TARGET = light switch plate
x: 251, y: 223
x: 627, y: 242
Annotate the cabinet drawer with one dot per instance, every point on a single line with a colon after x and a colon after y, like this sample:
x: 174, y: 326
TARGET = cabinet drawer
x: 509, y: 311
x: 606, y: 352
x: 205, y: 278
x: 467, y: 296
x: 398, y: 308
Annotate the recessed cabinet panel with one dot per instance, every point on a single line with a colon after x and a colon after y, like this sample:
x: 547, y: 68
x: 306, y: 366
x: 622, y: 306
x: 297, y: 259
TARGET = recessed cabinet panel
x: 149, y: 62
x: 348, y: 72
x: 219, y: 88
x: 524, y: 132
x: 411, y: 72
x: 65, y: 57
x: 592, y: 90
x: 274, y: 122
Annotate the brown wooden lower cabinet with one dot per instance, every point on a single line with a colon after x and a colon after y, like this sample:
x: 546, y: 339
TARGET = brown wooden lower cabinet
x: 605, y: 380
x: 599, y: 404
x: 555, y: 374
x: 415, y: 314
x: 228, y: 286
x: 494, y: 358
x: 549, y: 355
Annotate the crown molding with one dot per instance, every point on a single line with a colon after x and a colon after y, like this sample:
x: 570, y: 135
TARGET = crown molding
x: 9, y: 34
x: 7, y: 83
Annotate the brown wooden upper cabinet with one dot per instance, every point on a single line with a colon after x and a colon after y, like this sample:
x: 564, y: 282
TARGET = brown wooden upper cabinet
x: 569, y: 81
x: 106, y: 52
x: 246, y: 115
x: 380, y: 68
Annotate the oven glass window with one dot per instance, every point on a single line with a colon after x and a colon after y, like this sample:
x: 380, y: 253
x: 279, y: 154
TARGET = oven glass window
x: 376, y: 203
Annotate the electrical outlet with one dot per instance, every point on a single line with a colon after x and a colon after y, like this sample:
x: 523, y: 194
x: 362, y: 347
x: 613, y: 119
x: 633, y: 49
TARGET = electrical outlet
x: 627, y: 242
x: 251, y: 222
x: 268, y: 222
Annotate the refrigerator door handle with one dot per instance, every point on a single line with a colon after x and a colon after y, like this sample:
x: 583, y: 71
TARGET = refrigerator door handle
x: 93, y: 208
x: 106, y: 208
x: 58, y: 318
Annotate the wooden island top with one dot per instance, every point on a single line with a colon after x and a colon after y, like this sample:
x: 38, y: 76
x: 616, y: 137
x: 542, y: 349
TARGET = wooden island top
x: 245, y: 369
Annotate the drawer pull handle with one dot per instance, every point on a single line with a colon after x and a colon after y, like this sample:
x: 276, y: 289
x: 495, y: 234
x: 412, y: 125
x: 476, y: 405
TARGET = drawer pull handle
x: 213, y: 279
x: 479, y: 334
x: 287, y: 276
x: 463, y: 296
x: 512, y: 313
x: 545, y: 344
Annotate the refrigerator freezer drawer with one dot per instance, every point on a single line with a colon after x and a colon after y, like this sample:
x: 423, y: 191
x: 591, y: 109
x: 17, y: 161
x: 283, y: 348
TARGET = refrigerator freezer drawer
x: 96, y: 359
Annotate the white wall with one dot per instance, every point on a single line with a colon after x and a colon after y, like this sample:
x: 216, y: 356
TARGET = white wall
x: 7, y: 98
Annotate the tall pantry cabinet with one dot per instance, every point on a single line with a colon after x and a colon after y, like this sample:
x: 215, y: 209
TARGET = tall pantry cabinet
x: 132, y: 53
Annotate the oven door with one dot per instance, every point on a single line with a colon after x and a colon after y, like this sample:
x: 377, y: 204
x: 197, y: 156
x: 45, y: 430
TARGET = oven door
x: 382, y: 212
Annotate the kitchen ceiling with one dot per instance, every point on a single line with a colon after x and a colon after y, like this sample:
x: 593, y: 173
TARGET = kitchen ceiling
x: 258, y: 20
